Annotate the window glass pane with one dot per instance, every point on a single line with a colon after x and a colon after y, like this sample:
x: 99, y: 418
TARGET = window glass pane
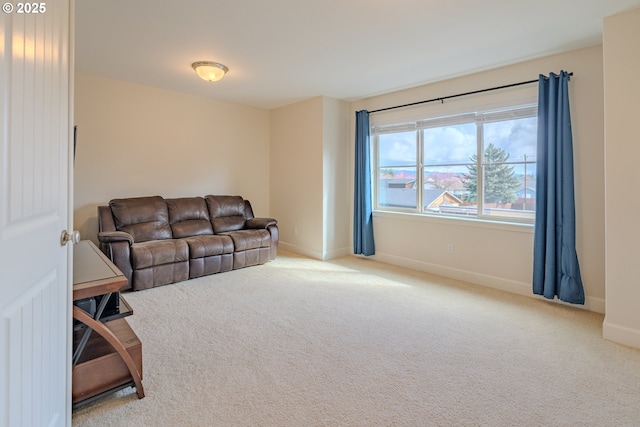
x: 525, y: 202
x: 517, y: 138
x: 446, y: 190
x: 397, y: 187
x: 509, y: 174
x: 397, y: 149
x: 508, y: 191
x: 450, y: 144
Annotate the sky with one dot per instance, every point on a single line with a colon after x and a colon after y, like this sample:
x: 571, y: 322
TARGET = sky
x: 457, y: 143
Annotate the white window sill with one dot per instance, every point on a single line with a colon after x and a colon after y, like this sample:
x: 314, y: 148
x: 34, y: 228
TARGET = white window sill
x: 456, y: 221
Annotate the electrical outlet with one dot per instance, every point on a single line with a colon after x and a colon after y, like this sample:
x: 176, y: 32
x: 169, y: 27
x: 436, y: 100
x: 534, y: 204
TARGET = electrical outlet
x: 450, y: 248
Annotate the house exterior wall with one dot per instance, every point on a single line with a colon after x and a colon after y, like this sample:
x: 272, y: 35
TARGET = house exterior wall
x: 492, y: 254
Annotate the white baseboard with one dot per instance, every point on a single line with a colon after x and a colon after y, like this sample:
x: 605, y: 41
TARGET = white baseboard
x: 300, y: 250
x: 336, y: 253
x: 323, y: 256
x: 592, y: 304
x: 621, y: 334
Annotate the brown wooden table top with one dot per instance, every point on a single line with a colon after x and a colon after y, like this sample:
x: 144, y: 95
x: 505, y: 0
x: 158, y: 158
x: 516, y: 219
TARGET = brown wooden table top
x: 93, y: 273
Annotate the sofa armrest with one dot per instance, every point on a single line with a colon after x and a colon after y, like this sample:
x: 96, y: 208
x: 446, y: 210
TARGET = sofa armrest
x: 119, y: 252
x: 260, y: 223
x: 275, y: 237
x: 105, y: 219
x: 115, y: 236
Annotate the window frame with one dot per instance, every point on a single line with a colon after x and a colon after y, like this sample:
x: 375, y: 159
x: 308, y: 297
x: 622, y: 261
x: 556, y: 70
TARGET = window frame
x: 477, y: 116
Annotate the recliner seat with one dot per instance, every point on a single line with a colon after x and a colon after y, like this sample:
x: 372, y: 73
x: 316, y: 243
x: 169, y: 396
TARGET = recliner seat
x: 252, y: 246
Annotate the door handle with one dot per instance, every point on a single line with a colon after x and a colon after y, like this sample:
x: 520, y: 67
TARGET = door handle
x: 66, y: 237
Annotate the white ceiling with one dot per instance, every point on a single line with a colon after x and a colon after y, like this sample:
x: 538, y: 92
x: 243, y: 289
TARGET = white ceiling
x: 283, y: 51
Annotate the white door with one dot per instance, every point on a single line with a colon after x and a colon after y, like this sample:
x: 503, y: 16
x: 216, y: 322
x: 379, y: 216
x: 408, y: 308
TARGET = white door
x: 35, y: 155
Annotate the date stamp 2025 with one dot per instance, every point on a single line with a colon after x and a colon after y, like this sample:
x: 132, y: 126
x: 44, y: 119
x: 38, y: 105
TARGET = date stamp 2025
x: 26, y: 8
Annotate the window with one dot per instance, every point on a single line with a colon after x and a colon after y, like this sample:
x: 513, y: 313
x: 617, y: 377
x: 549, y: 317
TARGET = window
x: 480, y: 164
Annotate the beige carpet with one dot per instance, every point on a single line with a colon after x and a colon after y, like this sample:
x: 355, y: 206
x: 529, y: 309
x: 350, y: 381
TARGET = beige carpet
x: 352, y: 342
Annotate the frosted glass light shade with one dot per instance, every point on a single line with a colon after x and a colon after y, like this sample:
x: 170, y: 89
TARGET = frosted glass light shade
x: 210, y: 71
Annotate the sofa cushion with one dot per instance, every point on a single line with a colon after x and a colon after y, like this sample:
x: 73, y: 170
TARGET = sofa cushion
x: 188, y: 216
x: 158, y: 252
x: 249, y: 239
x: 205, y: 246
x: 227, y: 213
x: 145, y: 218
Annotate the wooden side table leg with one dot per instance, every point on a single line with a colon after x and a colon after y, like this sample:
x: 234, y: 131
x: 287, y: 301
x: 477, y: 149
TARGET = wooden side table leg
x: 101, y: 329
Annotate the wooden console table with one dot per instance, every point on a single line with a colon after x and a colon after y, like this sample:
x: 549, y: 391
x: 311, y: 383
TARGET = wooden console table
x: 111, y: 358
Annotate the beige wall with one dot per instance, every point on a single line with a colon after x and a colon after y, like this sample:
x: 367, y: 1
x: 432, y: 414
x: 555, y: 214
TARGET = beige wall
x: 335, y: 168
x: 622, y: 151
x: 135, y: 140
x: 491, y: 254
x: 296, y: 195
x: 309, y: 181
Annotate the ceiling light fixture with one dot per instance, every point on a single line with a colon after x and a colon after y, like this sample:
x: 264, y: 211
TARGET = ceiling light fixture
x: 209, y: 71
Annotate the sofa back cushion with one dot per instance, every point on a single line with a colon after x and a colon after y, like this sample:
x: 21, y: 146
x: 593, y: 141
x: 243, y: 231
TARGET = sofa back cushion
x: 226, y: 212
x: 188, y: 216
x: 145, y: 218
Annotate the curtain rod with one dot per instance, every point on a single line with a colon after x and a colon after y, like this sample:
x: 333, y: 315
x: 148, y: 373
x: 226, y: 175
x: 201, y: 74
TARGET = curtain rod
x: 441, y: 99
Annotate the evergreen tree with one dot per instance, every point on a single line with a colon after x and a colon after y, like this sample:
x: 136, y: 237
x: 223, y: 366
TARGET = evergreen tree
x: 387, y: 173
x: 500, y: 182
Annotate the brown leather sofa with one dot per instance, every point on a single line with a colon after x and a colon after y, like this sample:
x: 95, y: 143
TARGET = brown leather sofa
x: 156, y: 241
